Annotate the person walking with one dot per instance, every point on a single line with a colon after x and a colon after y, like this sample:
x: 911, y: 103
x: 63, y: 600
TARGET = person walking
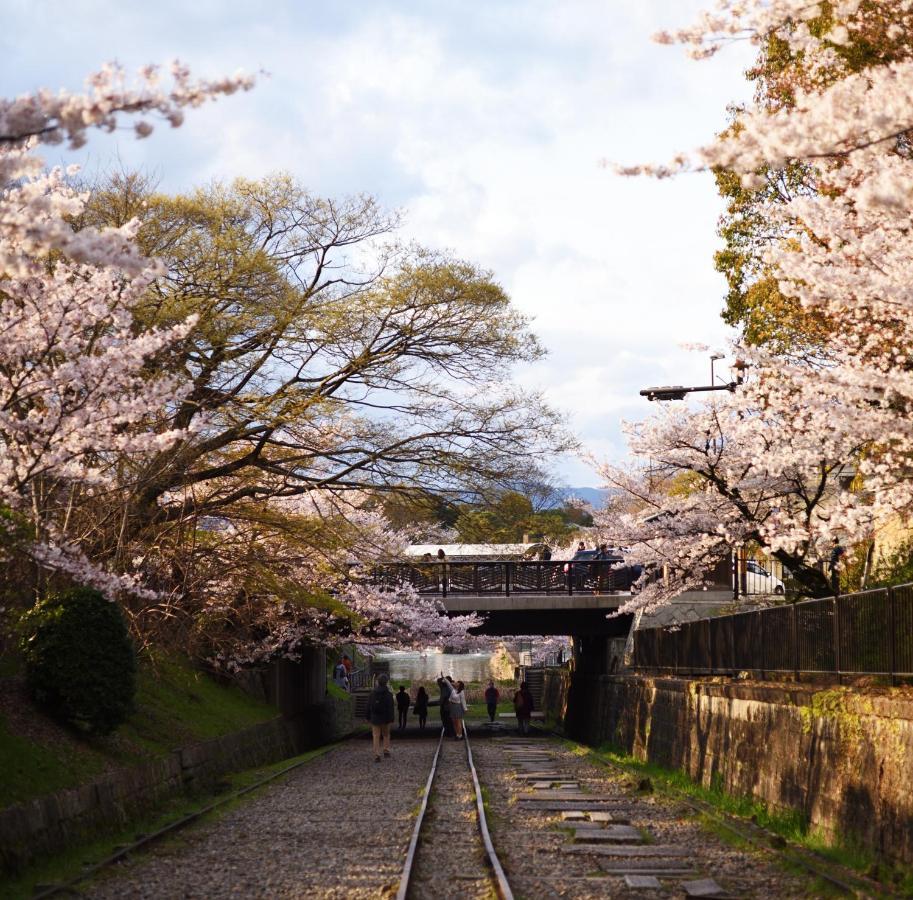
x: 523, y: 707
x: 421, y: 707
x: 380, y: 715
x: 458, y: 708
x: 443, y: 570
x: 340, y: 676
x: 492, y: 695
x: 445, y: 688
x: 402, y: 706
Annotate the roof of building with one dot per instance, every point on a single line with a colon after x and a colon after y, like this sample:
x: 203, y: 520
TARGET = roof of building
x: 454, y: 550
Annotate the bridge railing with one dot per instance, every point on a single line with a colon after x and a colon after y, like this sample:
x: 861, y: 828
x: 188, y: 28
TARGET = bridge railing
x: 866, y: 633
x: 505, y: 578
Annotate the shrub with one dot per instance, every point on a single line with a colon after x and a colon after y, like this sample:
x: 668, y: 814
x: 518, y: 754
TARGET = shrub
x: 79, y: 660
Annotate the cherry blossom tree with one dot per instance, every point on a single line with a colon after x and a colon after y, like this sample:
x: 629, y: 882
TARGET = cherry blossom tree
x: 760, y: 465
x: 75, y: 382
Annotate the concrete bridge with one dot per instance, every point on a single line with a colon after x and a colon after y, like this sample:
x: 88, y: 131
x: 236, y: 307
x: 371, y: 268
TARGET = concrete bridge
x: 541, y: 597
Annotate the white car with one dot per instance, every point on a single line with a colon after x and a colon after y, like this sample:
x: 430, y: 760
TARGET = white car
x: 759, y: 581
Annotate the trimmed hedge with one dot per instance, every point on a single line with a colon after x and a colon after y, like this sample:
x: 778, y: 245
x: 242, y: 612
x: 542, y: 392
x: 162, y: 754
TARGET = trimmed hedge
x: 80, y: 663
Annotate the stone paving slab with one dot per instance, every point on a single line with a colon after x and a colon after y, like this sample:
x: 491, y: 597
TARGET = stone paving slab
x: 704, y: 887
x: 615, y: 834
x: 547, y: 804
x: 665, y: 872
x: 642, y: 881
x: 663, y: 851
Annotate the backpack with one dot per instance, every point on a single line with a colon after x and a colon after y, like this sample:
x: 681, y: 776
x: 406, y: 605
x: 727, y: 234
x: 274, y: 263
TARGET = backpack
x: 377, y: 702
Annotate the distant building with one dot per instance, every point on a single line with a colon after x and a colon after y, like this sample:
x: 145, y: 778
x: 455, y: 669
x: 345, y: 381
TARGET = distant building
x: 475, y: 552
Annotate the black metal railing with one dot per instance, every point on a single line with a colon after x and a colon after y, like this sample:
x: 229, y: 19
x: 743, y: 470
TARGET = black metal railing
x: 506, y: 578
x: 867, y: 633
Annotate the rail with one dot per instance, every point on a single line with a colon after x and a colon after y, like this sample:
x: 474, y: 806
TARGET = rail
x: 507, y: 578
x: 501, y: 883
x: 865, y: 633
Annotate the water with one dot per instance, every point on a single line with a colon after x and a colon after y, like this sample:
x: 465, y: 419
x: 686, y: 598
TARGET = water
x: 426, y: 666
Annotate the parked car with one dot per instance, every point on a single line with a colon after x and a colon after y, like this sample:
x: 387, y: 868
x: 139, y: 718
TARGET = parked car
x: 758, y: 580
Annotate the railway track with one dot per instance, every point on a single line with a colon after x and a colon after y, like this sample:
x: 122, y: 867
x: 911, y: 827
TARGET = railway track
x: 440, y: 831
x: 564, y: 829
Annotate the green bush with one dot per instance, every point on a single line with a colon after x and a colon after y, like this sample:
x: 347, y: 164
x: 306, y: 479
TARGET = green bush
x: 79, y: 660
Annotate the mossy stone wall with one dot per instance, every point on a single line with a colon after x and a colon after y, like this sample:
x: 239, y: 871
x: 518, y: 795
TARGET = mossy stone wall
x: 843, y: 758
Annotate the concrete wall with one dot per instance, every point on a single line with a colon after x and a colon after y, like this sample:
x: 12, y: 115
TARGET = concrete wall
x: 29, y: 831
x: 843, y: 758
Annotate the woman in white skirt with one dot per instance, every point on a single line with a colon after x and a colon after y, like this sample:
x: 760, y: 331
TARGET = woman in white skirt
x: 458, y: 708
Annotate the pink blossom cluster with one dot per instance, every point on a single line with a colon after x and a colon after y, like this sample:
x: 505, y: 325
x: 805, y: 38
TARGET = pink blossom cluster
x: 65, y: 116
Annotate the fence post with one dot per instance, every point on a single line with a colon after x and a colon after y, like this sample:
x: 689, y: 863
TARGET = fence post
x: 570, y: 578
x: 837, y: 660
x: 506, y: 579
x: 795, y: 636
x: 892, y: 639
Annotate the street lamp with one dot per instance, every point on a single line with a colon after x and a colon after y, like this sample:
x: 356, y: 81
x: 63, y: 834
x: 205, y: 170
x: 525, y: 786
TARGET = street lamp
x: 678, y: 391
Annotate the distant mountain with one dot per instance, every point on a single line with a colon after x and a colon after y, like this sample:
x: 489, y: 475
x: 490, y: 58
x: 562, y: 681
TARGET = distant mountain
x: 596, y: 497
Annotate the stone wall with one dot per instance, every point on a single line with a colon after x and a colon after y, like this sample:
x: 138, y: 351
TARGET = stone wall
x: 843, y: 758
x: 41, y: 827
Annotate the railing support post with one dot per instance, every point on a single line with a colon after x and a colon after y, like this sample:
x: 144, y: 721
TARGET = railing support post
x: 837, y: 660
x: 795, y: 630
x: 506, y: 579
x: 570, y: 578
x: 892, y: 636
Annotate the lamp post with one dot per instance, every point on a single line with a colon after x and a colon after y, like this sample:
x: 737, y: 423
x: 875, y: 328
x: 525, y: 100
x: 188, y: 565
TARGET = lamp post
x: 678, y: 391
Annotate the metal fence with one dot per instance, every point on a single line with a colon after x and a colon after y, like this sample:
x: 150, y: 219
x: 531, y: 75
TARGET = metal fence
x: 477, y: 578
x: 867, y: 633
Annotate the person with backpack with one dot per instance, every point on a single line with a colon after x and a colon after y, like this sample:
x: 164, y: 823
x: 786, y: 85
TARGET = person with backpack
x: 380, y: 715
x: 421, y: 707
x: 492, y: 695
x: 402, y: 706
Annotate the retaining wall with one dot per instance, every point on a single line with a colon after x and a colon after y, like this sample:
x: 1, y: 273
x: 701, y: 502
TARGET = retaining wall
x: 41, y: 827
x: 843, y: 758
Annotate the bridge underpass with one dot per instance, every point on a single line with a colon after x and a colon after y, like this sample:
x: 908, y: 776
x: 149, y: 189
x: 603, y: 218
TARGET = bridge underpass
x: 548, y: 598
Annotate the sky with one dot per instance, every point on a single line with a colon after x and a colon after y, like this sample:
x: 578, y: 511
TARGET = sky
x: 485, y: 123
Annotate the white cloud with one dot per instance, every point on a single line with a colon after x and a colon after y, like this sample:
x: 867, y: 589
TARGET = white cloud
x: 485, y: 122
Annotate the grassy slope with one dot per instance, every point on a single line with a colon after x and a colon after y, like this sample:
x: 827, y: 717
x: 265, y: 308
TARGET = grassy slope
x: 174, y: 705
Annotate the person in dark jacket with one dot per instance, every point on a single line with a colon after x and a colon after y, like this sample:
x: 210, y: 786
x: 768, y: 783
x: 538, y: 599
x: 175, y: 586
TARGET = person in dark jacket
x: 380, y: 715
x: 523, y: 706
x: 492, y: 695
x: 446, y: 689
x: 402, y: 706
x: 421, y: 707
